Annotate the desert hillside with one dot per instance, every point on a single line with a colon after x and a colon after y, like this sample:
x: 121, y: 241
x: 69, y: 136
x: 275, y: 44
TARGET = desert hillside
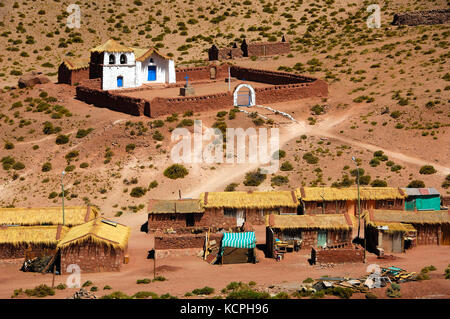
x: 388, y: 102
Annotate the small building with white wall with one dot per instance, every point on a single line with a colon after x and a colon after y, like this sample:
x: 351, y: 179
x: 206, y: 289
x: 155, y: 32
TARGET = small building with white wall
x: 120, y: 67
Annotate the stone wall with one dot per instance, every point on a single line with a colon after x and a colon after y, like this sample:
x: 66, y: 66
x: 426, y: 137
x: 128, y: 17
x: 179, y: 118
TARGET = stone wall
x: 183, y: 241
x: 269, y: 77
x: 92, y: 258
x: 339, y: 255
x: 422, y: 17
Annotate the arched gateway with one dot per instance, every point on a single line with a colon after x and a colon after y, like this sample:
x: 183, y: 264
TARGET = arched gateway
x: 244, y: 95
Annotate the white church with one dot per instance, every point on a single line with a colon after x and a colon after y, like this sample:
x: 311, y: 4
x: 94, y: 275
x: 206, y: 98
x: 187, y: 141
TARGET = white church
x: 121, y: 67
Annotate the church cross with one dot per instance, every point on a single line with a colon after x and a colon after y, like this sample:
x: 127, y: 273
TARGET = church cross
x: 186, y: 78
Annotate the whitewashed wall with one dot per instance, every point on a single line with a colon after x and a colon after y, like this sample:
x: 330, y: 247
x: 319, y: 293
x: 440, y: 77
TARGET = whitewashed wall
x: 112, y: 71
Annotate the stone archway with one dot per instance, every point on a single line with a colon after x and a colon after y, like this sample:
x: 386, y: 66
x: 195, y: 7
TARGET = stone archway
x: 249, y: 95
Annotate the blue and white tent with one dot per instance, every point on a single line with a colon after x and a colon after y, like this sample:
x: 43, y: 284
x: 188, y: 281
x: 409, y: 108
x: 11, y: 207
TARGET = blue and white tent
x: 239, y: 240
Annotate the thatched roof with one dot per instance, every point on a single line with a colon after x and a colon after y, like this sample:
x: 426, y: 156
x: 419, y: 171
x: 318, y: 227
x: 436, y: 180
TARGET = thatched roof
x: 143, y: 54
x: 323, y: 221
x: 99, y: 231
x: 333, y: 193
x: 182, y: 206
x: 76, y: 63
x: 74, y: 215
x: 399, y: 216
x: 248, y: 200
x: 394, y: 227
x: 45, y: 235
x: 111, y: 46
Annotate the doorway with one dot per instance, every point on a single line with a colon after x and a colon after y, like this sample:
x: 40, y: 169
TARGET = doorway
x: 321, y: 238
x: 151, y: 73
x: 190, y: 220
x: 120, y: 81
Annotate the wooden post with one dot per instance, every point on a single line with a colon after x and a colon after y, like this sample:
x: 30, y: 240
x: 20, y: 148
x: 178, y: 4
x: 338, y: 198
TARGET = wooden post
x: 365, y: 241
x: 53, y: 277
x: 154, y: 266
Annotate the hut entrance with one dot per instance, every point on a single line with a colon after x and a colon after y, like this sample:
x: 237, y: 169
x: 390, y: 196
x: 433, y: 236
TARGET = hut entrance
x: 212, y: 73
x: 189, y: 220
x: 240, y: 217
x: 321, y: 238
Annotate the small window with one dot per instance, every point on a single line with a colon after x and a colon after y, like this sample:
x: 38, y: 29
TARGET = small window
x: 230, y: 212
x: 112, y: 59
x: 320, y: 204
x: 151, y: 60
x: 172, y: 217
x: 123, y: 59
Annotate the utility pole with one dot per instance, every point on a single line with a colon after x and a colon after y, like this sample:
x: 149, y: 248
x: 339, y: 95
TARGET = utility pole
x: 359, y: 202
x: 62, y: 187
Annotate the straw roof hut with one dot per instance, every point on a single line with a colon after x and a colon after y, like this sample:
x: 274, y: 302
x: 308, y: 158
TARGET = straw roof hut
x: 98, y: 231
x: 76, y: 63
x: 16, y: 240
x: 182, y: 206
x: 326, y: 221
x: 395, y: 216
x: 247, y: 200
x: 339, y: 194
x: 74, y: 215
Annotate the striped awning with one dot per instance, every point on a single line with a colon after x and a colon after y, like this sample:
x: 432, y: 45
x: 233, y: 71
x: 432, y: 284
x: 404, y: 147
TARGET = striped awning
x: 239, y: 240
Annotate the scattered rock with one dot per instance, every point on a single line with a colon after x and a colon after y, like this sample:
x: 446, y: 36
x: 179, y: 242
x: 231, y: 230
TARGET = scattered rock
x: 83, y: 294
x: 31, y: 79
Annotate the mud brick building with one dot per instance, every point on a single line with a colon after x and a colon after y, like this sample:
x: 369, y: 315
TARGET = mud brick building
x: 440, y: 16
x: 431, y: 228
x: 313, y: 231
x: 249, y: 49
x: 331, y: 200
x: 20, y: 241
x: 175, y: 214
x: 73, y: 71
x: 237, y: 208
x: 96, y: 246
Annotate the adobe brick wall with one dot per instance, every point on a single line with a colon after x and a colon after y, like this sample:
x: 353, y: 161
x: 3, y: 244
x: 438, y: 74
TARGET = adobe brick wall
x: 92, y: 258
x: 268, y: 48
x: 115, y: 102
x: 445, y: 201
x: 330, y: 207
x: 183, y: 241
x: 339, y: 255
x: 269, y: 77
x: 309, y: 237
x: 201, y: 73
x: 288, y: 87
x: 422, y: 17
x: 12, y: 251
x: 428, y: 234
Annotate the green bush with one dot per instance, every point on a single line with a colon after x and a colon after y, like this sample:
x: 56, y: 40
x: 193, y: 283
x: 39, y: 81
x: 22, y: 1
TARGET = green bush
x: 40, y: 291
x: 427, y: 170
x: 145, y: 295
x: 130, y: 147
x: 87, y: 283
x: 378, y: 183
x: 18, y: 166
x: 61, y: 286
x: 310, y: 158
x: 138, y: 192
x: 203, y: 291
x: 160, y: 278
x: 9, y: 145
x: 394, y: 291
x: 157, y: 136
x: 62, y: 139
x: 82, y: 132
x: 279, y: 180
x: 286, y: 166
x: 46, y: 167
x: 416, y: 184
x: 143, y: 281
x: 116, y: 295
x: 176, y: 171
x: 248, y: 293
x: 254, y: 178
x: 231, y: 187
x: 308, y: 280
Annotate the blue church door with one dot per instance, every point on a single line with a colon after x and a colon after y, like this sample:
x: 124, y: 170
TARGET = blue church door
x: 151, y: 73
x: 119, y: 81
